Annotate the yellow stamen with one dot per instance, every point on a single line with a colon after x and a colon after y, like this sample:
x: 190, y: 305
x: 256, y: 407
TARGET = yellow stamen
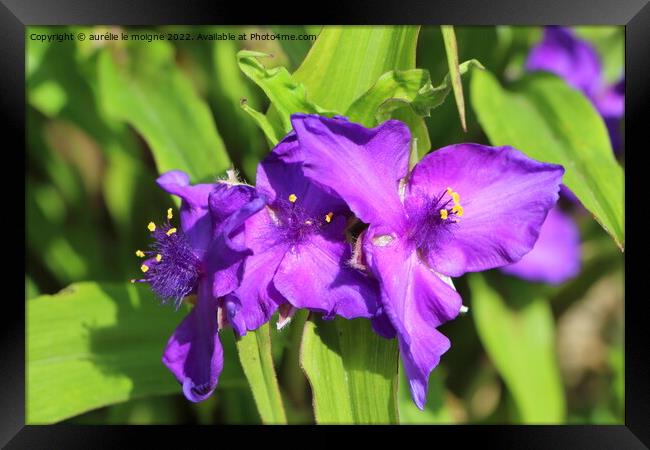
x: 158, y: 257
x: 171, y: 231
x: 151, y: 226
x: 449, y: 191
x: 144, y: 268
x: 455, y: 197
x: 169, y: 213
x: 328, y: 217
x: 139, y: 253
x: 293, y: 198
x: 458, y: 210
x: 444, y: 214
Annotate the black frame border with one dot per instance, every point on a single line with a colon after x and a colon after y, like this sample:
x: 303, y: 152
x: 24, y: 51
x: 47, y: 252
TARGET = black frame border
x: 15, y: 15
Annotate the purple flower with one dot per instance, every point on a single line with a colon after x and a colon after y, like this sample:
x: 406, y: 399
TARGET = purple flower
x: 577, y: 62
x: 203, y: 257
x: 556, y: 255
x: 300, y: 253
x: 463, y: 208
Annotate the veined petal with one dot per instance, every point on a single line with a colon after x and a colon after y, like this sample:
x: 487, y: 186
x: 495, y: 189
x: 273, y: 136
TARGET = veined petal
x: 194, y: 218
x: 416, y: 301
x: 280, y: 176
x: 556, y: 255
x: 575, y: 60
x: 256, y: 299
x: 194, y: 353
x: 505, y: 198
x: 362, y: 165
x: 314, y: 275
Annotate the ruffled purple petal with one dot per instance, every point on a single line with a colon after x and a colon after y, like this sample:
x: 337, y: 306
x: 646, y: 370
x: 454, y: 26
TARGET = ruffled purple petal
x: 416, y: 301
x: 505, y: 198
x: 280, y: 175
x: 315, y: 276
x: 573, y: 59
x: 256, y: 299
x: 194, y: 218
x: 556, y: 255
x: 194, y: 353
x: 230, y: 206
x: 362, y: 165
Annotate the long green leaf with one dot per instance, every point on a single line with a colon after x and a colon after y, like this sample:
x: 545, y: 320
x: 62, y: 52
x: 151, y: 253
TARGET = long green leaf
x: 257, y: 361
x: 451, y: 49
x: 94, y: 345
x: 141, y: 85
x: 352, y: 372
x: 549, y: 121
x: 519, y: 335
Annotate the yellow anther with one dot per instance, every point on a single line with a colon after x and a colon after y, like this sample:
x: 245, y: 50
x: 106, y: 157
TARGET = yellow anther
x: 455, y: 197
x: 158, y: 257
x: 139, y: 253
x: 449, y: 191
x: 144, y: 268
x: 444, y: 214
x: 151, y: 226
x: 169, y: 213
x: 171, y: 231
x: 293, y: 198
x: 458, y: 210
x: 328, y: 217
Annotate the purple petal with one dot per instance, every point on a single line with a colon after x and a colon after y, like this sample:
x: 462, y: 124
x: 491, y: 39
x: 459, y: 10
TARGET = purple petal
x: 195, y: 222
x: 314, y: 275
x: 573, y: 59
x: 194, y: 353
x: 556, y: 255
x: 416, y: 301
x: 611, y: 101
x: 256, y: 299
x: 361, y: 165
x: 279, y: 175
x: 505, y: 196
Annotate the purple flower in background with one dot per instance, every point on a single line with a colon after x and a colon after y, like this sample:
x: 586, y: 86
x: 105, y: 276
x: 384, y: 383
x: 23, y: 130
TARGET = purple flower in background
x: 300, y: 252
x: 577, y: 62
x: 556, y: 255
x: 203, y: 257
x: 463, y: 208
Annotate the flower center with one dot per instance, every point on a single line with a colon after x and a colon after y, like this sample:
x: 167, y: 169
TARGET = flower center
x: 171, y: 268
x: 434, y: 224
x: 294, y: 222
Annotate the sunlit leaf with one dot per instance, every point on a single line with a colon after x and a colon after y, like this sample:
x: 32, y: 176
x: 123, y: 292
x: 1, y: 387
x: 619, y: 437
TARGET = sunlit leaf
x: 551, y: 122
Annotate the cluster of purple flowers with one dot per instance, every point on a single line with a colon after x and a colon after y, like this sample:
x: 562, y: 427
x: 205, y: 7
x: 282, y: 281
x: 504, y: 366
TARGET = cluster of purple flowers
x: 339, y: 225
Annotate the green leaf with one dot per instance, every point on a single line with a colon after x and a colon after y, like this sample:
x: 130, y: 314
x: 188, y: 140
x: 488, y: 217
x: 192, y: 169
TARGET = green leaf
x: 257, y: 361
x: 352, y: 371
x: 139, y: 83
x: 93, y: 345
x: 518, y: 334
x: 551, y: 122
x: 397, y: 89
x: 285, y: 93
x: 451, y: 49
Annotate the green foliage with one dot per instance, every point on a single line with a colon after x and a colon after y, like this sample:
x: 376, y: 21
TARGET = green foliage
x: 451, y: 49
x: 352, y: 372
x: 255, y: 356
x: 140, y: 85
x: 549, y: 121
x: 94, y: 345
x: 518, y: 334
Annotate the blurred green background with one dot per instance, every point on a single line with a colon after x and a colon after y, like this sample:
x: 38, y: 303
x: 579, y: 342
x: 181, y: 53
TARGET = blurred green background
x: 91, y: 192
